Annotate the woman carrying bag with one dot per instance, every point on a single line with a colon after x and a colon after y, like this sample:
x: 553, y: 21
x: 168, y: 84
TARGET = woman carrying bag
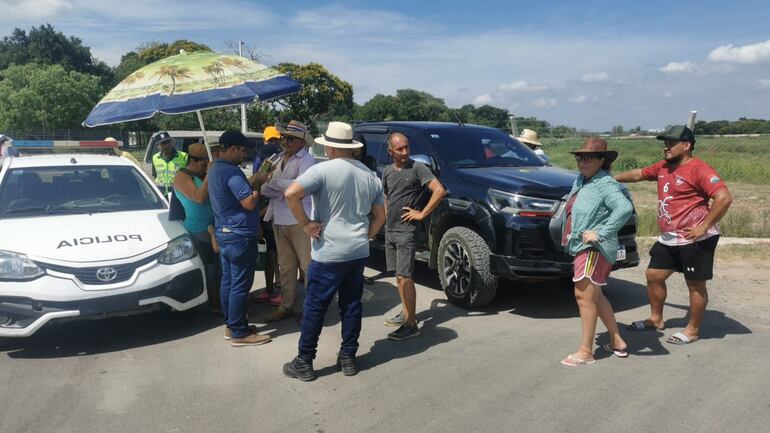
x: 596, y: 209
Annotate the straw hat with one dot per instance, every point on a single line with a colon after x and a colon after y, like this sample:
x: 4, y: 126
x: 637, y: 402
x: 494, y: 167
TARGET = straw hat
x: 339, y: 135
x: 529, y: 136
x: 198, y: 150
x: 296, y: 129
x: 598, y: 146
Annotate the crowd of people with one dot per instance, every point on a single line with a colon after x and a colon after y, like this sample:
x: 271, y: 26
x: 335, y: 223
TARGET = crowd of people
x: 317, y: 220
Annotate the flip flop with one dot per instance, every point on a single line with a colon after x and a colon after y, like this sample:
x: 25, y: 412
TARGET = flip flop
x: 574, y: 361
x: 680, y: 339
x: 641, y: 325
x: 617, y: 352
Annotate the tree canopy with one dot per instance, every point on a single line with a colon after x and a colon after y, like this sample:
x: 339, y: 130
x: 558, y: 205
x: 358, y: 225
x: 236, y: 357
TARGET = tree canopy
x: 320, y: 91
x: 45, y: 46
x: 46, y: 96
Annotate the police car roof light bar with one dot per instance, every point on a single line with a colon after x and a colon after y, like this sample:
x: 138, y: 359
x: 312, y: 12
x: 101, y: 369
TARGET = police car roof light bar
x: 77, y: 144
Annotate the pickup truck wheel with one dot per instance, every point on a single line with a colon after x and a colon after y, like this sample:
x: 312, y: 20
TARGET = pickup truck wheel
x: 463, y: 268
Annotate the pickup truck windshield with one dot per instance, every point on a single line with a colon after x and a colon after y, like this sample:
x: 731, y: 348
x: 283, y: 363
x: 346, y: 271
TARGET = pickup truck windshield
x: 43, y: 191
x: 471, y: 147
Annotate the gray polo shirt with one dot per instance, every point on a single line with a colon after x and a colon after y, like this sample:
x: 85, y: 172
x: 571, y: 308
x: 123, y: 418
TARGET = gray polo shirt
x: 343, y: 192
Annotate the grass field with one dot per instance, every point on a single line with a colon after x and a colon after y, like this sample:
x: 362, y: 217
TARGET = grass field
x: 737, y: 159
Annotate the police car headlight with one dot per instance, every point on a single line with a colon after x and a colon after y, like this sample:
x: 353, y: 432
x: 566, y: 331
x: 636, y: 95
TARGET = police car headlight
x: 178, y: 250
x: 15, y: 267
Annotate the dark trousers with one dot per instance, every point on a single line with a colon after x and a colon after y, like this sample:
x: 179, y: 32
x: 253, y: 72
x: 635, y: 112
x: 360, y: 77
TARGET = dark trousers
x: 238, y: 256
x: 213, y: 265
x: 324, y: 280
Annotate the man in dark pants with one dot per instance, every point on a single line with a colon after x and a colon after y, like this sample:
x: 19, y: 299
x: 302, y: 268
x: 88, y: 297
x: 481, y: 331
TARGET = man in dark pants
x: 688, y: 228
x: 345, y: 193
x: 403, y: 183
x: 236, y: 217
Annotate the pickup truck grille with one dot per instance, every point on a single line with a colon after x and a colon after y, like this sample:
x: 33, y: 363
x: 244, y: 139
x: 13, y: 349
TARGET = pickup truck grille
x: 88, y: 275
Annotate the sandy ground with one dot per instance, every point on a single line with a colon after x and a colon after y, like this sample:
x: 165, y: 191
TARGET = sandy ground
x: 490, y: 370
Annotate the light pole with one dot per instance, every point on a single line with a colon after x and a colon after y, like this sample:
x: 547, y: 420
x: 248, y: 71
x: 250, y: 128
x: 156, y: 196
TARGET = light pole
x: 244, y: 126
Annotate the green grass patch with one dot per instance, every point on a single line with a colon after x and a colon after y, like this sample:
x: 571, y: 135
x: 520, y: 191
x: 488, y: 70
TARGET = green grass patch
x: 737, y: 159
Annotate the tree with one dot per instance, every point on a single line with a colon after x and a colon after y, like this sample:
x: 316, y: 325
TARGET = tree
x: 321, y: 90
x: 494, y: 117
x: 45, y: 46
x: 46, y: 97
x: 380, y: 107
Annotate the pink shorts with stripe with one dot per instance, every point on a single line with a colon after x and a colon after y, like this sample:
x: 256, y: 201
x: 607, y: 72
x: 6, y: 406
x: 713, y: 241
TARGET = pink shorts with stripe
x: 591, y: 264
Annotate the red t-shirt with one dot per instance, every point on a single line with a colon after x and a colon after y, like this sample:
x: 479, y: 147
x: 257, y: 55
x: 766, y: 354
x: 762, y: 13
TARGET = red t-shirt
x: 683, y: 198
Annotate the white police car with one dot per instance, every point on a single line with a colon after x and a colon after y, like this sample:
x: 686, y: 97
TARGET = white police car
x: 84, y: 234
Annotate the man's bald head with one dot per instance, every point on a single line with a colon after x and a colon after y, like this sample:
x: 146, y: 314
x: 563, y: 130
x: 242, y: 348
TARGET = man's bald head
x: 396, y: 138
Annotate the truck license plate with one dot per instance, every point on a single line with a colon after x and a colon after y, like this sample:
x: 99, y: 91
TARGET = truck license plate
x: 621, y: 252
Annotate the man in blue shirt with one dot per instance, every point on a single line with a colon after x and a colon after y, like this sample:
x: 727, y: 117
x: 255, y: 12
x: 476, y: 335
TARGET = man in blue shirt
x: 348, y: 211
x: 236, y: 218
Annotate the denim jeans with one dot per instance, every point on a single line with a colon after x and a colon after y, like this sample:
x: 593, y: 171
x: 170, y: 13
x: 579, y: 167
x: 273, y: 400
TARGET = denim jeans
x: 324, y: 280
x: 238, y: 255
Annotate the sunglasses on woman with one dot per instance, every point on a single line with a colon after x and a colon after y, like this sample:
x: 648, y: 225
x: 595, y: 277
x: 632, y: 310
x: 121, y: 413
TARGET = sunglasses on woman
x: 584, y: 157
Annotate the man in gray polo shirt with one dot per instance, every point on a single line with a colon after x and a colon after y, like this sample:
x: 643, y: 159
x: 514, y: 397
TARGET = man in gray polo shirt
x: 348, y: 211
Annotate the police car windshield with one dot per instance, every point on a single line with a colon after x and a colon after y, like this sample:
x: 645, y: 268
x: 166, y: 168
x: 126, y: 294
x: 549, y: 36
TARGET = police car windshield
x: 471, y: 147
x: 41, y: 191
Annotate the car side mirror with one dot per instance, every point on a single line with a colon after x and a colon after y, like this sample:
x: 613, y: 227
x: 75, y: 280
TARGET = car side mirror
x: 427, y: 160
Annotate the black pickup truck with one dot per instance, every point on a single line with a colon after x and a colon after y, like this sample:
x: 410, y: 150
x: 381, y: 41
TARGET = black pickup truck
x: 502, y: 216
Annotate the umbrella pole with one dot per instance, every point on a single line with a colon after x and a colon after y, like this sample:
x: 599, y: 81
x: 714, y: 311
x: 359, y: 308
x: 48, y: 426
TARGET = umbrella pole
x: 205, y: 139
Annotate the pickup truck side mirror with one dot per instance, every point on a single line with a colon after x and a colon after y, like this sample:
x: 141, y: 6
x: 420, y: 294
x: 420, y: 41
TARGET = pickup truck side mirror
x: 427, y: 160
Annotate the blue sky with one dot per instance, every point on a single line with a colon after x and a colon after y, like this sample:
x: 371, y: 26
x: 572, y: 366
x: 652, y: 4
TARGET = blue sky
x: 588, y: 64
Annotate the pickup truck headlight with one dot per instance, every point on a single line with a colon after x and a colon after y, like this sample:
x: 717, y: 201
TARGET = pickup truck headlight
x: 16, y: 267
x: 522, y: 205
x: 178, y: 250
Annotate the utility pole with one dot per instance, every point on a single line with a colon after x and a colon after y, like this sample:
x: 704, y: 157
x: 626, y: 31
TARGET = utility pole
x: 691, y: 120
x: 244, y: 126
x: 512, y: 119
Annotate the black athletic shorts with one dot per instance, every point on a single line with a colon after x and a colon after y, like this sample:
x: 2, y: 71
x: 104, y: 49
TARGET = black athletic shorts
x: 695, y: 261
x: 399, y: 253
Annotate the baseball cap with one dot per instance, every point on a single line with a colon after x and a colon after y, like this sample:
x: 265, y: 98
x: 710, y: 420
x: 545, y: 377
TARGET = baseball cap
x: 677, y: 133
x: 163, y: 137
x: 271, y: 132
x: 233, y: 137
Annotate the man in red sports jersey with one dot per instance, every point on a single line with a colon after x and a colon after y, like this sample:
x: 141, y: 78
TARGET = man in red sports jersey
x: 688, y: 228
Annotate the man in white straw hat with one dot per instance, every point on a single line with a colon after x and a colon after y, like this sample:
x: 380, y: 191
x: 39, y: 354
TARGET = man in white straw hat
x: 293, y: 245
x: 530, y: 138
x: 348, y: 211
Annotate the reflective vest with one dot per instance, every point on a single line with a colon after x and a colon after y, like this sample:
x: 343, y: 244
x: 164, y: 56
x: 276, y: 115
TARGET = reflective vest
x: 165, y: 171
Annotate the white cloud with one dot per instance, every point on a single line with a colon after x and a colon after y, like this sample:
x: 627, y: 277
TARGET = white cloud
x: 34, y: 9
x: 578, y: 99
x: 545, y: 103
x: 666, y: 94
x: 764, y: 83
x: 754, y: 53
x: 595, y: 77
x: 482, y: 99
x: 679, y: 68
x: 521, y: 86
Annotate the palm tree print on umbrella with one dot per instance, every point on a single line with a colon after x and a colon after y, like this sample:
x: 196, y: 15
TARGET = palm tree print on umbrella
x: 235, y: 62
x: 216, y: 71
x: 173, y: 73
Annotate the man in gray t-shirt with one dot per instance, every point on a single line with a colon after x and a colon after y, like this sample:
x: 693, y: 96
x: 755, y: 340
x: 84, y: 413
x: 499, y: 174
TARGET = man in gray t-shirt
x: 348, y: 211
x: 404, y: 183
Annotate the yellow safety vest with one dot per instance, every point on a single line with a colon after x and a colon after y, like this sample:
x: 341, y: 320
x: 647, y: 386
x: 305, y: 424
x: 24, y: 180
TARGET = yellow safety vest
x: 165, y: 171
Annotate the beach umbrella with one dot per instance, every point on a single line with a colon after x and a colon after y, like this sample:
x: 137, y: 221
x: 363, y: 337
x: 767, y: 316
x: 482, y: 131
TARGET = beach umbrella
x: 187, y: 83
